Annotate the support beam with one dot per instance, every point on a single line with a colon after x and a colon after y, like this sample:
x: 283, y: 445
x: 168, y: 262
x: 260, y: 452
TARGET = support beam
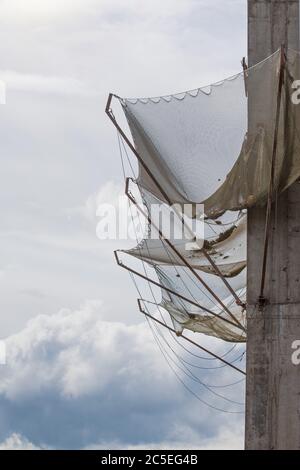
x: 273, y: 381
x: 210, y: 353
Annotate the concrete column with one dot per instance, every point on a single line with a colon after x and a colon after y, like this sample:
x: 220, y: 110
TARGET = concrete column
x: 273, y: 381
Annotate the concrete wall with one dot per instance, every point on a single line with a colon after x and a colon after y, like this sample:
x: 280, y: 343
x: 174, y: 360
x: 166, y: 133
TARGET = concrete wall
x: 273, y: 381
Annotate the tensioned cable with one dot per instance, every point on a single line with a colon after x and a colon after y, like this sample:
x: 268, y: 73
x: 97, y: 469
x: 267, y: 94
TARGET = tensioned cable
x: 174, y: 266
x: 140, y: 294
x: 189, y: 373
x: 224, y: 307
x: 158, y: 306
x: 183, y: 323
x: 131, y: 146
x: 121, y: 154
x: 159, y: 309
x: 137, y: 288
x: 238, y: 358
x: 196, y: 273
x: 204, y: 320
x: 153, y: 295
x: 124, y: 176
x: 230, y: 362
x: 162, y: 241
x: 154, y: 298
x: 211, y: 261
x: 185, y: 385
x: 182, y: 381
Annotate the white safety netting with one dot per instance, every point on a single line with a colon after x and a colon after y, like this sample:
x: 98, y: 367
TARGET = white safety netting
x: 210, y: 146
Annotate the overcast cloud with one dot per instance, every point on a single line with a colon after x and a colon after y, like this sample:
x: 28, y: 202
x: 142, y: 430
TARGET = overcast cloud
x: 85, y: 373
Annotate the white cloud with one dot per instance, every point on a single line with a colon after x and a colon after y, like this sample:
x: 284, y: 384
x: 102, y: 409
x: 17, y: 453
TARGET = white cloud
x: 109, y: 380
x: 226, y: 439
x: 79, y: 353
x: 18, y: 11
x: 17, y: 442
x: 36, y: 10
x: 110, y: 206
x: 109, y: 193
x: 16, y: 81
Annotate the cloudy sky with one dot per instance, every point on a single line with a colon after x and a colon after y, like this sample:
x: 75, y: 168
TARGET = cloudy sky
x: 83, y: 369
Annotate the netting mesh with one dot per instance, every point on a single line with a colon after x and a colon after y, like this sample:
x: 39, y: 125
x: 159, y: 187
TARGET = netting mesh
x: 224, y: 239
x: 174, y: 136
x: 198, y: 147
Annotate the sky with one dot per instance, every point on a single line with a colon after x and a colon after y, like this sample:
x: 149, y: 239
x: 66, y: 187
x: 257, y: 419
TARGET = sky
x: 83, y: 369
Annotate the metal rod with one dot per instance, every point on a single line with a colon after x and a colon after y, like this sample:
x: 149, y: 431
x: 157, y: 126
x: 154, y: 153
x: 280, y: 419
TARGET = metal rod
x: 272, y: 175
x: 236, y: 321
x: 188, y: 339
x: 217, y: 270
x: 167, y: 289
x: 166, y: 197
x: 245, y: 68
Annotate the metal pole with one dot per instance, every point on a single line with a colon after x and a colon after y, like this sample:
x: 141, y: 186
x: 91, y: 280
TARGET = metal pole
x: 157, y: 284
x: 189, y: 340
